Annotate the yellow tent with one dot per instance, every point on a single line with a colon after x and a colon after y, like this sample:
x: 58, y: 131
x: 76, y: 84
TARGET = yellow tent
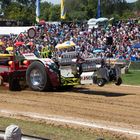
x: 9, y: 49
x: 65, y: 45
x: 58, y: 46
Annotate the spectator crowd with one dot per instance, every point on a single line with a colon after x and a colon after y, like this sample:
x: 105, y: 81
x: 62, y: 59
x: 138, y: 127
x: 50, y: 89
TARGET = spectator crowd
x: 115, y: 40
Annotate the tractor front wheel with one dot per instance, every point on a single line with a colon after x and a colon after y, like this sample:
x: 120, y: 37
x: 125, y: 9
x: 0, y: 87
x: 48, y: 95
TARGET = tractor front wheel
x: 14, y: 84
x: 119, y: 81
x: 101, y: 82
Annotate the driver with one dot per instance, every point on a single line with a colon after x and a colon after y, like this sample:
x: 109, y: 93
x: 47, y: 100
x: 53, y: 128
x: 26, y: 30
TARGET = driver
x: 79, y: 61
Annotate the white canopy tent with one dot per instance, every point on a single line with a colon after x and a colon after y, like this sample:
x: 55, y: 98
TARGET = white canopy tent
x: 95, y: 22
x: 13, y: 30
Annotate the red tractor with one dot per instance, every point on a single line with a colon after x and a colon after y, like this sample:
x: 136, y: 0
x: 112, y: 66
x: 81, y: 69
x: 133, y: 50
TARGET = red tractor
x: 39, y: 74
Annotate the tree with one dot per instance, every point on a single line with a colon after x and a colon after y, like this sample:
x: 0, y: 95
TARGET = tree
x: 138, y: 5
x: 16, y: 11
x: 54, y: 13
x: 91, y: 8
x: 110, y: 7
x: 45, y: 10
x: 75, y: 9
x: 27, y: 2
x: 5, y: 2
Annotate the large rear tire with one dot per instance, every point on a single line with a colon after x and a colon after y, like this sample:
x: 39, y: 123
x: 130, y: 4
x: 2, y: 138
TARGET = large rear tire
x: 119, y: 81
x: 36, y: 77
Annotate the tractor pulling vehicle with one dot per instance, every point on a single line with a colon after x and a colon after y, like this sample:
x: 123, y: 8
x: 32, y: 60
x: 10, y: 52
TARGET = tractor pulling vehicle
x: 42, y: 74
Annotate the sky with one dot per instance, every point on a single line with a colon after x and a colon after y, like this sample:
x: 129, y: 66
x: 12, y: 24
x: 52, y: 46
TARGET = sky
x: 58, y: 1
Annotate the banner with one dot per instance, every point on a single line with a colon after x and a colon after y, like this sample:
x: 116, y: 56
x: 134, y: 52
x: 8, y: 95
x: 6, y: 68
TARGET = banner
x: 99, y: 9
x: 63, y: 10
x: 37, y: 10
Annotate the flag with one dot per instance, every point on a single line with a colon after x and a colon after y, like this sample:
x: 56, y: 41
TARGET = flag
x: 63, y: 10
x: 99, y: 9
x: 37, y: 10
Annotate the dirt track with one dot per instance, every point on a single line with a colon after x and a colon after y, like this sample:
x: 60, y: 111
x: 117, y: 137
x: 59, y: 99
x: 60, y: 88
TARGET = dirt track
x: 112, y: 105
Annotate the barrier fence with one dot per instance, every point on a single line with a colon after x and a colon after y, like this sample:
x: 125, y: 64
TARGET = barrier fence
x: 135, y: 65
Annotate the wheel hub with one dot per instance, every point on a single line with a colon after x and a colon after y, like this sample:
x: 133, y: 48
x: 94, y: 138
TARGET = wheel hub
x: 36, y: 77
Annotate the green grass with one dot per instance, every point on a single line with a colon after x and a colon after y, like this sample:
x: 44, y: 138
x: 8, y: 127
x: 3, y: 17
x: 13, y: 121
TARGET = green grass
x: 132, y: 77
x: 55, y: 132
